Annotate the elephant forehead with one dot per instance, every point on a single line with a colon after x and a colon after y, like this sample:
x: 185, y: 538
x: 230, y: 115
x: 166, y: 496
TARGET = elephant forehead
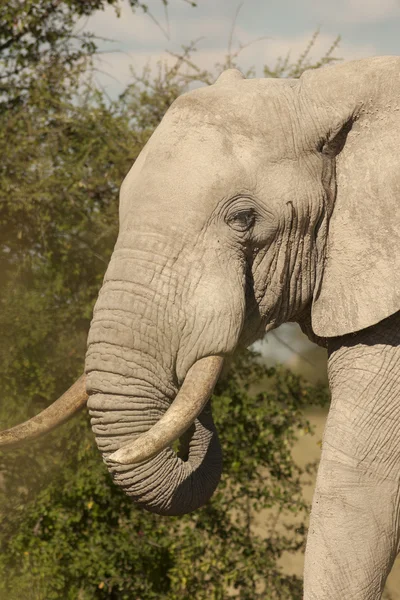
x: 231, y: 126
x: 252, y: 107
x: 204, y: 151
x: 211, y: 149
x: 200, y: 161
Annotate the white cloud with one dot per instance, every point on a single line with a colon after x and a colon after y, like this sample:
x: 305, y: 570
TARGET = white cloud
x: 356, y: 11
x: 114, y: 67
x: 139, y: 40
x: 279, y: 46
x: 130, y: 28
x: 133, y: 30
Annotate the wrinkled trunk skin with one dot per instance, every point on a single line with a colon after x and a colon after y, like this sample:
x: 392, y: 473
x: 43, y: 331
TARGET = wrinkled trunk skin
x: 354, y: 528
x: 166, y: 484
x: 130, y: 366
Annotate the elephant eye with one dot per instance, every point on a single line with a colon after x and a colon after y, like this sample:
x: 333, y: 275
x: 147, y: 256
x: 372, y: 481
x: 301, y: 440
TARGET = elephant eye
x: 242, y: 220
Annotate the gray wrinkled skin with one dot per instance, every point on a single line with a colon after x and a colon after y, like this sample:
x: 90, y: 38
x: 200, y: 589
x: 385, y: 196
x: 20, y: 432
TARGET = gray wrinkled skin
x: 257, y: 202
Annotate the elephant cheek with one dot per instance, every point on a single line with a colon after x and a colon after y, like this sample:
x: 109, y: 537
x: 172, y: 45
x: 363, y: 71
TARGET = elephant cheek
x: 215, y: 314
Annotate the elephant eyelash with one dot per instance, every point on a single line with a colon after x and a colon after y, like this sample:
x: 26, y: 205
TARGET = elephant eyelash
x: 242, y: 220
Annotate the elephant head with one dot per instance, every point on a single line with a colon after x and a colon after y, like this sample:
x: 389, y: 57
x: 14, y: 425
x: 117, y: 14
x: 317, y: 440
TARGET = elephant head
x: 213, y: 224
x: 255, y: 202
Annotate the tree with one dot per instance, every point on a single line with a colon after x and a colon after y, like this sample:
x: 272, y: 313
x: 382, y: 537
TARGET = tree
x: 36, y: 35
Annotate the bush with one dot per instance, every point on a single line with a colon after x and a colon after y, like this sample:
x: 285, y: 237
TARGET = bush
x: 80, y: 537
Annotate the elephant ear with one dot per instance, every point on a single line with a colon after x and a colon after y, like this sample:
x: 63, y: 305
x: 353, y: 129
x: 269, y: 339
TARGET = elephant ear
x: 358, y: 113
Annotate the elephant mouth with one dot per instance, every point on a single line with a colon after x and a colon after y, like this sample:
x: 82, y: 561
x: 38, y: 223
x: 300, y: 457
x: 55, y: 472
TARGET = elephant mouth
x: 187, y: 405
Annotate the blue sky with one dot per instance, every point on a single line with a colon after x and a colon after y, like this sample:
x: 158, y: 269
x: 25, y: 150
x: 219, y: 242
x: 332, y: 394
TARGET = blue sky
x: 367, y: 27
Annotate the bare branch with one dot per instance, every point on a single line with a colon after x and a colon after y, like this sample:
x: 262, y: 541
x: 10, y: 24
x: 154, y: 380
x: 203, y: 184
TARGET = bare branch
x: 232, y: 31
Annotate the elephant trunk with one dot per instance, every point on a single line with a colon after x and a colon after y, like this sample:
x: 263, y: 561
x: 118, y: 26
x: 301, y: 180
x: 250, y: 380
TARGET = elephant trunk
x: 131, y: 385
x: 169, y: 483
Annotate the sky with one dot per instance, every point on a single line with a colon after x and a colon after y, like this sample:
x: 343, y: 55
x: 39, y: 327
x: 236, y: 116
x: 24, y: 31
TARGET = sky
x: 367, y: 28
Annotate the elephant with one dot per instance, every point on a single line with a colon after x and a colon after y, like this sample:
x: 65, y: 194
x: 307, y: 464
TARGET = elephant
x: 257, y: 202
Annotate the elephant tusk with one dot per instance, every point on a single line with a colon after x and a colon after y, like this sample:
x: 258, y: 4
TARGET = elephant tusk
x: 188, y: 404
x: 72, y: 401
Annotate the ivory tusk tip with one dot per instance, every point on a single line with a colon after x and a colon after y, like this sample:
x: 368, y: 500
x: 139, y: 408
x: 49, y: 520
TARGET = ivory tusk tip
x: 119, y: 457
x: 128, y: 456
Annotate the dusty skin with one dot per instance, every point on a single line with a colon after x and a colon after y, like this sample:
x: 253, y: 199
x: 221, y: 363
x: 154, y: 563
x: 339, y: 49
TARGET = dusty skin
x: 254, y: 203
x: 308, y: 449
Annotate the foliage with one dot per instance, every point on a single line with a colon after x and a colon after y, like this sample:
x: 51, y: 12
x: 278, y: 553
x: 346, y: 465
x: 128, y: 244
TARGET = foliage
x: 37, y: 35
x: 55, y: 209
x: 66, y: 530
x: 286, y: 68
x: 81, y: 537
